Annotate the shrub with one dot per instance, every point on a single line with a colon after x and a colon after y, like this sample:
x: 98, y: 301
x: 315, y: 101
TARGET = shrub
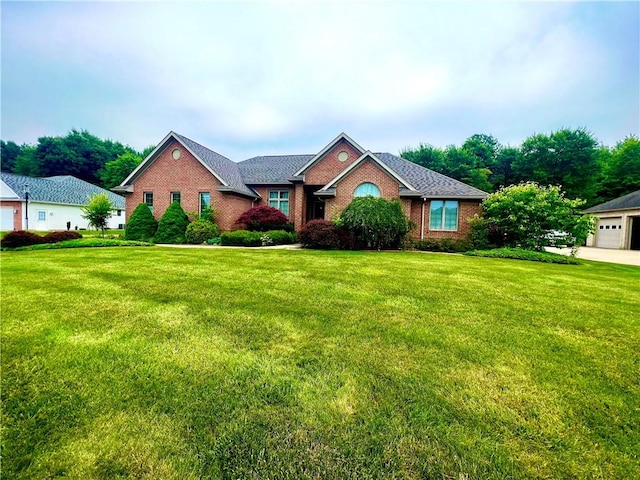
x: 522, y: 254
x: 173, y: 225
x: 281, y: 237
x: 200, y: 231
x: 321, y: 234
x: 141, y: 225
x: 263, y: 218
x: 241, y: 238
x: 528, y: 211
x: 55, y: 237
x: 21, y: 238
x: 376, y: 222
x: 447, y: 245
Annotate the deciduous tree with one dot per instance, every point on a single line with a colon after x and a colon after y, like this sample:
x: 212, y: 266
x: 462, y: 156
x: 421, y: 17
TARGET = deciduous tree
x: 98, y: 211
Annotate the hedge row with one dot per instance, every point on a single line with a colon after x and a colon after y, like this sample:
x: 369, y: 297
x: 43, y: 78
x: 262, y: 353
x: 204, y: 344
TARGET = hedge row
x: 245, y: 238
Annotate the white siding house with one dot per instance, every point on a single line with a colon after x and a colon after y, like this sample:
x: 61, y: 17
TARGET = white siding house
x: 53, y: 201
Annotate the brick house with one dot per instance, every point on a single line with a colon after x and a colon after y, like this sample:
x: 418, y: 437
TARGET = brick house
x: 303, y: 187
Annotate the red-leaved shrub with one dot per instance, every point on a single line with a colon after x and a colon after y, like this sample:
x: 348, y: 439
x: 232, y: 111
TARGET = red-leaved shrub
x: 21, y: 238
x: 263, y: 218
x: 55, y: 237
x: 321, y: 234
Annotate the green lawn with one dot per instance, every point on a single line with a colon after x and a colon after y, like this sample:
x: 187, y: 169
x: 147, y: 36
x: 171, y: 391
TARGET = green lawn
x: 232, y: 363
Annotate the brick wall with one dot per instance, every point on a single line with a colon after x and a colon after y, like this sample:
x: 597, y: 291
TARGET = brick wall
x: 329, y: 167
x: 367, y: 171
x: 16, y: 207
x: 189, y: 177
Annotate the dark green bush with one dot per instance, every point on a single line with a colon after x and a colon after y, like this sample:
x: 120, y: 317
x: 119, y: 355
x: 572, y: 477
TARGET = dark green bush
x: 376, y: 222
x: 245, y: 238
x: 141, y: 225
x: 200, y: 231
x: 241, y: 238
x: 21, y: 238
x: 172, y: 225
x: 281, y: 237
x: 321, y: 234
x: 443, y: 245
x: 522, y: 254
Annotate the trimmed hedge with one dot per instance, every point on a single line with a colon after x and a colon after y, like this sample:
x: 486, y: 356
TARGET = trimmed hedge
x: 245, y: 238
x: 447, y: 245
x: 522, y: 254
x: 142, y: 226
x: 280, y: 237
x: 241, y: 238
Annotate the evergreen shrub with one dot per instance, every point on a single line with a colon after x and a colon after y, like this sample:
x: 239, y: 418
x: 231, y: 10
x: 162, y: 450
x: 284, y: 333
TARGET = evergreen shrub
x: 172, y: 225
x: 241, y: 238
x: 281, y: 237
x: 201, y: 230
x: 142, y: 226
x: 443, y: 245
x: 21, y: 238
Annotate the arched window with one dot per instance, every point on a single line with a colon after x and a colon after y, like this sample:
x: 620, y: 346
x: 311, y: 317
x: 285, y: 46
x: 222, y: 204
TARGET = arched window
x: 367, y: 190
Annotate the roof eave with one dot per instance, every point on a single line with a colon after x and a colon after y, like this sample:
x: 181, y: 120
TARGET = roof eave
x: 225, y: 189
x: 458, y: 197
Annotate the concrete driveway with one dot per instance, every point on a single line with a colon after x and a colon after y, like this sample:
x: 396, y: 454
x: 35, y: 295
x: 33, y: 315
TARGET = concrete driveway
x: 625, y: 257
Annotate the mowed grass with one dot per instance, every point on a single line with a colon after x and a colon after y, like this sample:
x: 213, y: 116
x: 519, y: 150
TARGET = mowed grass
x: 236, y: 363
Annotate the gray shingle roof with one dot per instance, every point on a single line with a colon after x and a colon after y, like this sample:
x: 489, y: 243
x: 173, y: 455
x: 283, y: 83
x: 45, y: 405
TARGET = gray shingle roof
x: 271, y: 169
x: 226, y: 169
x: 631, y: 200
x: 429, y: 182
x: 278, y: 168
x: 62, y: 189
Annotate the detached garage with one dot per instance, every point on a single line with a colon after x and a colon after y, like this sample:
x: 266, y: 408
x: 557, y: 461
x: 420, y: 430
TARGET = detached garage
x: 618, y: 223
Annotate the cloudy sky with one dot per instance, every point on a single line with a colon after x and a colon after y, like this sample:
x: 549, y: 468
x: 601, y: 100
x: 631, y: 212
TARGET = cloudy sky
x: 257, y: 77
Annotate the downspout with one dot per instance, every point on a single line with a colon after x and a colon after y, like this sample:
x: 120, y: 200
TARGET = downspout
x: 422, y: 220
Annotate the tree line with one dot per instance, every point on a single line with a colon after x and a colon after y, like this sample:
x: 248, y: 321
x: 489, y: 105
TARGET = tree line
x: 571, y: 159
x: 79, y: 153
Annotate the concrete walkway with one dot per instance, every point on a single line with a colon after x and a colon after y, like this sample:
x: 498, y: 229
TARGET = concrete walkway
x: 625, y: 257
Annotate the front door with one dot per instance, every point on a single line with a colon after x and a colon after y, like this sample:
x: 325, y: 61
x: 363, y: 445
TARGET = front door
x: 315, y: 210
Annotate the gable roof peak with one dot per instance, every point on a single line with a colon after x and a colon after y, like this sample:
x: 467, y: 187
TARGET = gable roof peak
x: 329, y: 146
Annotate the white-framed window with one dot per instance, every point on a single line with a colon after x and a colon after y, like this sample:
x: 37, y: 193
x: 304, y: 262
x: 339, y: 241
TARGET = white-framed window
x: 367, y: 189
x: 205, y: 200
x: 42, y: 215
x: 175, y: 197
x: 119, y: 213
x: 279, y: 199
x: 443, y: 215
x: 148, y: 199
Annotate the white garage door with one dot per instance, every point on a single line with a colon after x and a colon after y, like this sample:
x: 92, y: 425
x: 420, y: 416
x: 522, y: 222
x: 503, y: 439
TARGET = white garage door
x: 6, y: 218
x: 608, y: 232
